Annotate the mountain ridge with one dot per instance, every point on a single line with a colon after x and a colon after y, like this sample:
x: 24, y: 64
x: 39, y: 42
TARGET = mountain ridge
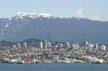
x: 35, y: 15
x: 53, y: 28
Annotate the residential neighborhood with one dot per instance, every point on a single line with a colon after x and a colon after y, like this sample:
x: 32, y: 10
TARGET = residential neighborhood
x: 44, y: 51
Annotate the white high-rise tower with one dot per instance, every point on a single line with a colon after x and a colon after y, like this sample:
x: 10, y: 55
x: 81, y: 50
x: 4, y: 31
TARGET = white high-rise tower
x: 67, y: 44
x: 41, y: 44
x: 25, y: 44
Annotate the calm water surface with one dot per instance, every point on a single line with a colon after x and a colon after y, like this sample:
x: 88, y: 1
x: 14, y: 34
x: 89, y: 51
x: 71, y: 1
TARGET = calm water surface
x: 53, y: 67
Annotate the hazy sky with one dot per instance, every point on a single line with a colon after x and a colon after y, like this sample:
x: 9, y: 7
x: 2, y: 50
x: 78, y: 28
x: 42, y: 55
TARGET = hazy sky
x: 97, y: 9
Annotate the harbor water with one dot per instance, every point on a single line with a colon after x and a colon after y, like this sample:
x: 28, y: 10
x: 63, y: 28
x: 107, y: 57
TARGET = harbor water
x: 53, y: 67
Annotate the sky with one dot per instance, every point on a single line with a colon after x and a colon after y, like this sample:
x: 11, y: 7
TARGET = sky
x: 95, y: 9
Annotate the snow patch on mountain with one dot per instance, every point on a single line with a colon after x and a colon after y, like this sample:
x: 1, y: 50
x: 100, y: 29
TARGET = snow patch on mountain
x: 32, y: 15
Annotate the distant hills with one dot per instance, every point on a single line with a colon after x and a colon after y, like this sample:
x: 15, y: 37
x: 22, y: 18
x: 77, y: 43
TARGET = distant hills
x: 45, y: 27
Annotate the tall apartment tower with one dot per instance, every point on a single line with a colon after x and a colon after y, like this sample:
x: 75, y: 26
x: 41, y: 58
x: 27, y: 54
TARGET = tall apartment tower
x: 97, y: 47
x: 25, y: 44
x: 49, y: 44
x: 41, y: 44
x: 67, y: 44
x: 19, y: 45
x: 46, y: 44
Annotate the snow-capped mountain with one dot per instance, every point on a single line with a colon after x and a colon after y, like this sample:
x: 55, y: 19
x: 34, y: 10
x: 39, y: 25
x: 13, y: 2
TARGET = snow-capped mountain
x: 44, y: 26
x: 32, y: 15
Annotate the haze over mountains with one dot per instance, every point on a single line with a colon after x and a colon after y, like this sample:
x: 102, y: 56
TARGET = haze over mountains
x: 43, y: 26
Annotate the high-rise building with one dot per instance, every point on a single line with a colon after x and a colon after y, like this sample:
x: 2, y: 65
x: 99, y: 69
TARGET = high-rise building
x: 97, y: 47
x: 49, y: 44
x: 41, y: 44
x: 14, y: 46
x: 67, y: 44
x: 46, y: 44
x: 25, y: 44
x: 76, y: 46
x: 103, y: 48
x: 19, y: 45
x: 86, y: 43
